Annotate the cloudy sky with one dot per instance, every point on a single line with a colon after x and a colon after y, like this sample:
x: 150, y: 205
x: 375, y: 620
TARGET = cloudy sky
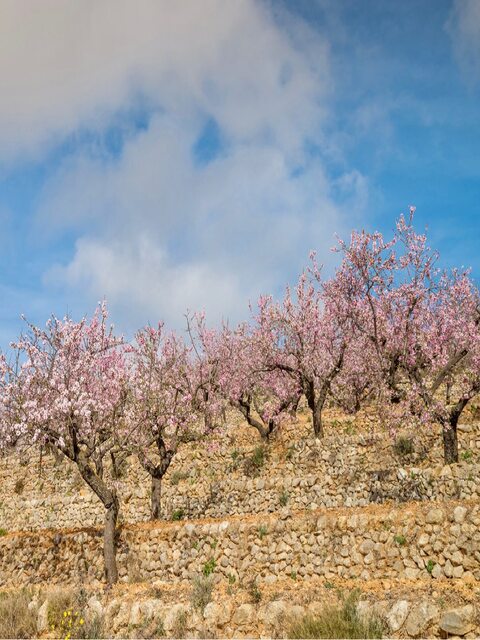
x: 173, y: 155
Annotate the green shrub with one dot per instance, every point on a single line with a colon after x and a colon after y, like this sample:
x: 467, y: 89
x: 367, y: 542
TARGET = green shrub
x: 467, y: 455
x: 3, y: 532
x: 209, y: 567
x: 400, y: 540
x: 338, y: 621
x: 262, y: 531
x: 16, y: 620
x: 429, y: 566
x: 403, y: 446
x: 178, y: 514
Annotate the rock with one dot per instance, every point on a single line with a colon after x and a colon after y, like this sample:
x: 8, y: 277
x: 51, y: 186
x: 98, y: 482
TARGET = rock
x: 435, y: 516
x: 459, y: 514
x: 174, y: 616
x: 135, y: 614
x: 243, y: 615
x: 42, y: 617
x: 274, y: 612
x: 366, y: 547
x: 458, y: 621
x: 95, y: 607
x: 216, y: 614
x: 420, y: 618
x: 397, y: 615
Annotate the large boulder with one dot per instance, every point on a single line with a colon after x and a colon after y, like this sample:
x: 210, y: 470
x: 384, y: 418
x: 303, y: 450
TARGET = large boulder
x: 397, y: 615
x: 458, y: 621
x: 420, y: 618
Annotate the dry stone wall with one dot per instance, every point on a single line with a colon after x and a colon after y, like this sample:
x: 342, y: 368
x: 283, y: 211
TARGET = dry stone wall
x: 342, y: 470
x: 423, y: 542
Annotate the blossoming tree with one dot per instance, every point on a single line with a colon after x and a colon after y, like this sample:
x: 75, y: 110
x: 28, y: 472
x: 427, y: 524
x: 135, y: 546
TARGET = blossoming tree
x: 421, y: 328
x: 169, y: 396
x: 68, y: 391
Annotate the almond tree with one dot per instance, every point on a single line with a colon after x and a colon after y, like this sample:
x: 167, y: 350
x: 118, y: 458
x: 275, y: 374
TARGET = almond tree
x: 312, y: 339
x: 420, y: 328
x: 68, y: 392
x: 245, y: 378
x: 168, y: 397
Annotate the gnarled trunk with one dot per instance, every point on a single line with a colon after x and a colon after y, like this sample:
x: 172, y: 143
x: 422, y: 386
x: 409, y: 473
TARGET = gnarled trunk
x: 156, y: 498
x: 110, y: 502
x: 450, y: 441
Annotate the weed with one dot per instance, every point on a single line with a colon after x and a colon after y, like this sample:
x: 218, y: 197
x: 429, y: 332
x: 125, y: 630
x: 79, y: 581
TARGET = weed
x: 180, y: 626
x: 400, y: 540
x: 429, y: 566
x: 231, y: 579
x: 19, y: 486
x: 16, y: 619
x: 209, y: 567
x: 293, y: 575
x: 201, y: 595
x: 177, y: 476
x: 283, y: 499
x: 178, y: 514
x: 255, y: 462
x: 254, y: 592
x: 3, y: 532
x: 467, y: 455
x: 403, y: 446
x: 338, y: 621
x: 262, y: 531
x: 329, y: 585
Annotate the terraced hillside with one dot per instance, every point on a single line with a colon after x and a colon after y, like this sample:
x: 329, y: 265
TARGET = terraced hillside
x: 257, y: 536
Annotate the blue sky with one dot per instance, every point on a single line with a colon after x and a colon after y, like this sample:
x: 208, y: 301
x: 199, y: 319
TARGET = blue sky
x: 174, y: 156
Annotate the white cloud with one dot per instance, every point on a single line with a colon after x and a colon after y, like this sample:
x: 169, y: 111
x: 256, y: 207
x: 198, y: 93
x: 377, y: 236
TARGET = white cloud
x: 157, y: 232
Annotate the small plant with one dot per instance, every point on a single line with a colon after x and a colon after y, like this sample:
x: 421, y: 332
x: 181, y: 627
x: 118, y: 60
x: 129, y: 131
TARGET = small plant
x: 403, y: 446
x: 254, y: 463
x: 180, y: 626
x: 231, y: 579
x: 201, y: 595
x: 290, y: 452
x: 429, y: 566
x: 400, y: 540
x: 19, y: 486
x: 177, y: 476
x: 283, y: 499
x: 3, y: 532
x: 16, y: 619
x: 329, y: 585
x: 209, y: 567
x: 254, y: 592
x: 178, y: 514
x: 262, y: 531
x: 467, y: 455
x: 214, y: 544
x: 293, y: 575
x: 338, y: 621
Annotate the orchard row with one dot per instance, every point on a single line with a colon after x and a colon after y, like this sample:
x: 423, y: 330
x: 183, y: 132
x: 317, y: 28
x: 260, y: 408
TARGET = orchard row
x: 389, y: 329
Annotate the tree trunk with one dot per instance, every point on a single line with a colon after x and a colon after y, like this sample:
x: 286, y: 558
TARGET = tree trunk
x: 156, y: 504
x: 110, y: 501
x: 450, y: 441
x: 109, y: 544
x: 317, y: 419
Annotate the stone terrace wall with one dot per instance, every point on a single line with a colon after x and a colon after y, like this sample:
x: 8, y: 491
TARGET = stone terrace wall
x: 342, y: 470
x: 414, y: 542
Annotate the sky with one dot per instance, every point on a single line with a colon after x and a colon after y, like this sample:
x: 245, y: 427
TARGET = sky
x: 183, y: 156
